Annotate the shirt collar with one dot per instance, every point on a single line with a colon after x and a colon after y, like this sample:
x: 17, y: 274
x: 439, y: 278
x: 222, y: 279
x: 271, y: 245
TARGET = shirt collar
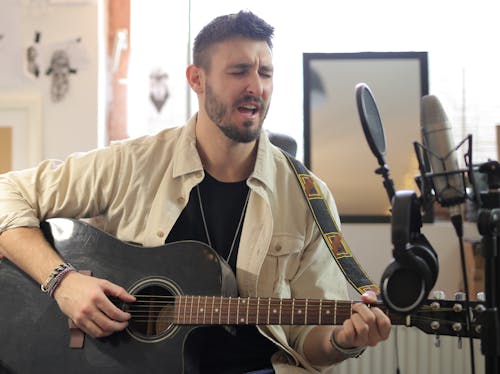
x: 187, y: 159
x: 265, y: 164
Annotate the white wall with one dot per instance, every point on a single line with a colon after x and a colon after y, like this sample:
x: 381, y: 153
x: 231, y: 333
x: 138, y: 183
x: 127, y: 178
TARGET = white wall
x: 71, y: 124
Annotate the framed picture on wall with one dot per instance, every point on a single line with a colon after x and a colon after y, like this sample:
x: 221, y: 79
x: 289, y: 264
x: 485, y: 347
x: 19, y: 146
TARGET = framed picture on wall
x: 335, y: 147
x: 20, y: 131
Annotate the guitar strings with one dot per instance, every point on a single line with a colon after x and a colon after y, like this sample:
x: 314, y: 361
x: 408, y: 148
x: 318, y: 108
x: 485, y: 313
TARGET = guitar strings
x: 161, y: 311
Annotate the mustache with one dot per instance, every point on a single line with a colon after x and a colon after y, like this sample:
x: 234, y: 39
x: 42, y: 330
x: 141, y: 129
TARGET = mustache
x: 250, y: 99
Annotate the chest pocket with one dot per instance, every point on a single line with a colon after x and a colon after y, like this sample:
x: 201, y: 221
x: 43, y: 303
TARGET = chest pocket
x: 281, y: 265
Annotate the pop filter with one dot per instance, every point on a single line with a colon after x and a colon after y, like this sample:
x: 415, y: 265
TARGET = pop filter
x: 374, y: 132
x: 371, y: 122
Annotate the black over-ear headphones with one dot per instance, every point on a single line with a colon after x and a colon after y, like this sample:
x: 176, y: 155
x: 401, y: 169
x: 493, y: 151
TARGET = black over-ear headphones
x: 410, y: 277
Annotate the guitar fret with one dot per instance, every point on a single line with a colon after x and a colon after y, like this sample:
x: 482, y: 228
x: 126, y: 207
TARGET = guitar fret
x: 198, y: 310
x: 279, y: 316
x: 238, y: 319
x: 220, y: 310
x: 300, y: 311
x: 228, y: 309
x: 268, y: 310
x: 181, y: 299
x: 238, y: 310
x: 205, y: 310
x: 191, y: 310
x: 328, y: 313
x: 212, y: 314
x: 305, y: 314
x: 258, y: 311
x: 176, y: 309
x: 248, y: 307
x: 293, y: 310
x: 320, y: 310
x: 335, y: 313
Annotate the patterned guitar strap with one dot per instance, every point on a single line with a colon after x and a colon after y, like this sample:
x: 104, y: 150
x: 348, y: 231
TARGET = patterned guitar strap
x: 339, y: 249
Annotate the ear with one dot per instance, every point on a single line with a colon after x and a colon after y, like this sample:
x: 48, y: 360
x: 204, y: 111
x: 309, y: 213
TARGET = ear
x: 195, y: 78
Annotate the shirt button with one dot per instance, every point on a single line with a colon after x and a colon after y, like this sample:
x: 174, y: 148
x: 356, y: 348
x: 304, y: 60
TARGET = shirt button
x: 160, y: 233
x: 181, y: 200
x: 278, y: 248
x: 199, y: 174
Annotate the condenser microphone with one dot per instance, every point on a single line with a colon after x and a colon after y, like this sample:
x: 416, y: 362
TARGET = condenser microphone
x: 447, y: 180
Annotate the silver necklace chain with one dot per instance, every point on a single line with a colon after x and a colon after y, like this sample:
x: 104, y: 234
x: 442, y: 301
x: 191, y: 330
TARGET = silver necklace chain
x: 238, y: 228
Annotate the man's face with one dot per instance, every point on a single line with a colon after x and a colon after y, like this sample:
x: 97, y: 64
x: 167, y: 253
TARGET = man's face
x: 238, y: 87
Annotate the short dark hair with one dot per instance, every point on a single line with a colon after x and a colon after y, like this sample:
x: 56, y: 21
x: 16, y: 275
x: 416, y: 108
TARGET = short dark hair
x: 222, y: 28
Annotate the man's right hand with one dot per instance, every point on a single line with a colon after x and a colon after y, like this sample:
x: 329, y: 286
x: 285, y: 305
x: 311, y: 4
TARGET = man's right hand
x: 84, y: 299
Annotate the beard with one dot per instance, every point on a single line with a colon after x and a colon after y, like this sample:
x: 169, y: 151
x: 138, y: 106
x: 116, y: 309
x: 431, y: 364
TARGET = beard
x: 218, y: 112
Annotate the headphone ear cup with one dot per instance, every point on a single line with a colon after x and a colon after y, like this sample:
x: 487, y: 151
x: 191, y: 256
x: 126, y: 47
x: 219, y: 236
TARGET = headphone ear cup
x: 429, y: 268
x: 412, y: 274
x: 404, y: 283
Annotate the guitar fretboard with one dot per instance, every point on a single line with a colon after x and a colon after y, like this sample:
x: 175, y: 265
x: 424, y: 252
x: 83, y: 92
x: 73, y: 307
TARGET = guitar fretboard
x: 216, y: 310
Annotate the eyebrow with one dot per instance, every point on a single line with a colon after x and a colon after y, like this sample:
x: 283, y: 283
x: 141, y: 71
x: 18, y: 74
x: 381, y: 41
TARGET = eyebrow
x: 268, y: 68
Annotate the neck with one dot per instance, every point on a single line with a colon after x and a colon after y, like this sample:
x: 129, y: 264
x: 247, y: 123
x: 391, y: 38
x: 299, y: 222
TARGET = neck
x: 225, y: 159
x: 209, y: 310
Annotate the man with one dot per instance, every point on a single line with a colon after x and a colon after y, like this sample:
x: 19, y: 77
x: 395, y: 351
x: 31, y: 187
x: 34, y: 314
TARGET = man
x: 218, y: 180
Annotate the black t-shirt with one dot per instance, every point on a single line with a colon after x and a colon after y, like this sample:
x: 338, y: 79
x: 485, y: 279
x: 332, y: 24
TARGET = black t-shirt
x: 218, y: 349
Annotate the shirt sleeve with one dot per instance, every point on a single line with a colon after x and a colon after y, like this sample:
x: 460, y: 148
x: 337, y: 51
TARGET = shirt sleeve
x: 73, y: 188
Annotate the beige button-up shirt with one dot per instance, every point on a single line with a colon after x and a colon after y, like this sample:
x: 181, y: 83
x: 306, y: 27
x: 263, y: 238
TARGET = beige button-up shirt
x: 139, y: 187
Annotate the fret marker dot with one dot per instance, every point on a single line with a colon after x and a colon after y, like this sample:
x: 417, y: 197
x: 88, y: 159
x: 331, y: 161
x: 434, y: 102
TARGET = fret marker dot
x: 327, y: 312
x: 201, y: 310
x: 300, y: 311
x: 216, y: 310
x: 275, y: 311
x: 242, y: 320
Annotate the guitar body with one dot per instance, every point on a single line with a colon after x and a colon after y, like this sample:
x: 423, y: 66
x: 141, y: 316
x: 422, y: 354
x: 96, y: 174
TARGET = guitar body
x: 34, y: 333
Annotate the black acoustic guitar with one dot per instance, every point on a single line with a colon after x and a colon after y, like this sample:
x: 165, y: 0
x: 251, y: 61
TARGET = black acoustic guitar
x: 178, y: 286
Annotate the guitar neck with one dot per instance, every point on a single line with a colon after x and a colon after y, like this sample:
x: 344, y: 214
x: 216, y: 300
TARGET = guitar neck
x: 215, y: 310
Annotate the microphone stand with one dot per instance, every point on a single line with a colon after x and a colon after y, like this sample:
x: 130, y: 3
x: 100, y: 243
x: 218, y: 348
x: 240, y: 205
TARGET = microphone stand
x: 488, y: 224
x: 490, y: 229
x: 388, y: 182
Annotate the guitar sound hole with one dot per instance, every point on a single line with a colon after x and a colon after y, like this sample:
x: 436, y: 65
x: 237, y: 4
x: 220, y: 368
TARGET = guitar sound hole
x: 153, y: 311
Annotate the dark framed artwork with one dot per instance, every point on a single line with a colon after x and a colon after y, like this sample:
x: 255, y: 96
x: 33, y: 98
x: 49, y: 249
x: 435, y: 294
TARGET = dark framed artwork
x: 335, y: 148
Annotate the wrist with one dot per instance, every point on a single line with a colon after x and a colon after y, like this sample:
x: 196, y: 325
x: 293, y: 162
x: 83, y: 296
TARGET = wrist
x: 55, y: 278
x: 353, y: 352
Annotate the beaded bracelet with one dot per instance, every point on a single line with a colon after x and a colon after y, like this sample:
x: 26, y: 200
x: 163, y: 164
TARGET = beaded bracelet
x: 347, y: 352
x: 55, y: 277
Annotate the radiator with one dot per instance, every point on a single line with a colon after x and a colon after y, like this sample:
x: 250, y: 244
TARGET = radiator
x: 417, y: 355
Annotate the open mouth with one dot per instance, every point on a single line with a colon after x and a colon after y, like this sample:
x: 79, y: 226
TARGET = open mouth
x: 248, y: 109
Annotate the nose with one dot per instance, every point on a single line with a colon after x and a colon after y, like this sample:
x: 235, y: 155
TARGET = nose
x: 255, y: 85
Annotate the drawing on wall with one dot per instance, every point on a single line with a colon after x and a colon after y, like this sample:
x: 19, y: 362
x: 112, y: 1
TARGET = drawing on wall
x: 156, y: 77
x: 66, y: 58
x: 158, y: 88
x: 32, y: 57
x: 60, y: 69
